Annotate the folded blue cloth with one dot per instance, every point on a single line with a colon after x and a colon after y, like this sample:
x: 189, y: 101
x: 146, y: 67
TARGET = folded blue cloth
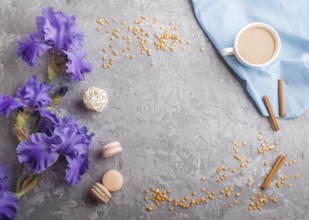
x: 222, y: 19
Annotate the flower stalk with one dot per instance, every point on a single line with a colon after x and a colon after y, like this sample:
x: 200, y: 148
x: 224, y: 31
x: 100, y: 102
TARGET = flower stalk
x: 31, y: 183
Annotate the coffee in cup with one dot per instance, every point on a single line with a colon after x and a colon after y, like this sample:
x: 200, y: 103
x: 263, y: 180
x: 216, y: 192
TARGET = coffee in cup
x: 257, y: 44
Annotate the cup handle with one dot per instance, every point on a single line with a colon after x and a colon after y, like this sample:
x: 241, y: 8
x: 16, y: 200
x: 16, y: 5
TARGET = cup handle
x: 228, y: 51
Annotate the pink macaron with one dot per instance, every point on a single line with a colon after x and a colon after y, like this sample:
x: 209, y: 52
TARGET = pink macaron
x: 111, y: 149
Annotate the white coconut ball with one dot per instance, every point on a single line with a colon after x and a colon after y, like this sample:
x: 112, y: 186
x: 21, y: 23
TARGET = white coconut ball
x: 95, y: 99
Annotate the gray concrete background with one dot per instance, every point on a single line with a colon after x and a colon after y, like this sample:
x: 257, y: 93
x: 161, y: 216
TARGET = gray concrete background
x: 175, y: 120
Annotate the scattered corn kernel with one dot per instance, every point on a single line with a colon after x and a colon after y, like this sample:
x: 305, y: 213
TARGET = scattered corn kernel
x: 149, y: 208
x: 297, y: 176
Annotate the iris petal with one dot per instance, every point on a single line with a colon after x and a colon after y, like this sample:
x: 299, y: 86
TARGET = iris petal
x: 76, y: 168
x: 76, y: 66
x: 32, y: 48
x: 60, y: 31
x: 35, y: 94
x: 74, y: 141
x: 8, y: 104
x: 37, y: 152
x: 3, y: 178
x: 8, y: 205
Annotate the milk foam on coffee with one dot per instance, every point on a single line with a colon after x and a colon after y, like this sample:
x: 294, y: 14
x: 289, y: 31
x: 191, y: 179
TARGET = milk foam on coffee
x: 256, y: 45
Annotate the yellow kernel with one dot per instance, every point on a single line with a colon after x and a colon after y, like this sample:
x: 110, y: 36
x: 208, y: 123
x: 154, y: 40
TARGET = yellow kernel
x: 259, y: 138
x: 242, y: 173
x: 237, y: 194
x: 123, y: 22
x: 252, y: 198
x: 202, y: 49
x: 171, y: 209
x: 203, y: 178
x: 235, y: 202
x: 152, y: 63
x: 193, y: 193
x: 278, y: 184
x: 289, y: 185
x: 107, y: 31
x: 297, y: 176
x: 233, y: 170
x: 145, y: 198
x: 149, y: 208
x: 131, y: 57
x: 250, y: 179
x: 105, y: 50
x: 187, y: 198
x: 231, y: 204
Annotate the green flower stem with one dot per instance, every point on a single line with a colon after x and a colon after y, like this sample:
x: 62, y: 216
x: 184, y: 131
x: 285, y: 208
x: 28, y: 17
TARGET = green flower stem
x: 19, y: 178
x: 29, y: 187
x: 36, y: 123
x: 21, y: 166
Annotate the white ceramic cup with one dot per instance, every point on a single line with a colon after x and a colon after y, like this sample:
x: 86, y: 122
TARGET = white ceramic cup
x: 234, y: 51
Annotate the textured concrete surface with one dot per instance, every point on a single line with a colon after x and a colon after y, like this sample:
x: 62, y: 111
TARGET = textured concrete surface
x: 175, y: 120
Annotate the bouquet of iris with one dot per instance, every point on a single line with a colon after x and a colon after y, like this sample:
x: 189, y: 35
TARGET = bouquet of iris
x: 43, y: 136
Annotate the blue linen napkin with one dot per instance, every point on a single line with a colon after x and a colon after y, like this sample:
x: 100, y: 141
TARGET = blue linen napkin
x: 222, y: 19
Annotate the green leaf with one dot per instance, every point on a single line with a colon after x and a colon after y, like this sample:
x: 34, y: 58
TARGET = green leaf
x: 31, y: 183
x: 52, y: 72
x: 56, y: 100
x: 22, y: 119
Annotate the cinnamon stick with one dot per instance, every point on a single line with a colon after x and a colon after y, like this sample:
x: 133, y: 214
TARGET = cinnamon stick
x: 281, y: 98
x: 273, y: 172
x: 271, y: 113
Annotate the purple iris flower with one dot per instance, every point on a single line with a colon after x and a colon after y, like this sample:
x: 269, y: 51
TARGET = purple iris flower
x: 63, y: 138
x: 59, y: 34
x: 33, y: 95
x: 8, y: 202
